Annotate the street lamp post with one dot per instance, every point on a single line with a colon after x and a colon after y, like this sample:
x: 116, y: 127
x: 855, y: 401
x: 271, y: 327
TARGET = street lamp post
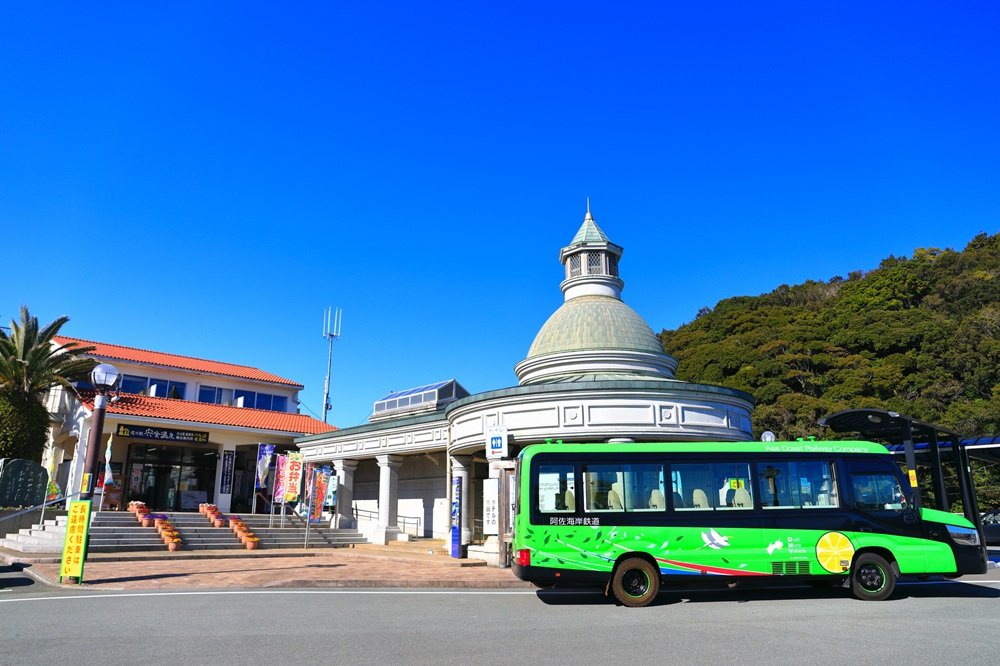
x: 105, y: 378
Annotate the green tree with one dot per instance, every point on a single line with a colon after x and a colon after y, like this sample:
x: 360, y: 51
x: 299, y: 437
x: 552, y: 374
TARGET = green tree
x: 30, y: 364
x: 920, y: 336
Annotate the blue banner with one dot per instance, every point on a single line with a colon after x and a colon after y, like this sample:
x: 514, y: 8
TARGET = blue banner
x: 456, y: 517
x: 264, y: 453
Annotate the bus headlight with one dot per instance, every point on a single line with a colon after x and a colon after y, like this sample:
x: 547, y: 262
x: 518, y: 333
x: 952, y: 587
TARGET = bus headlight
x: 963, y: 535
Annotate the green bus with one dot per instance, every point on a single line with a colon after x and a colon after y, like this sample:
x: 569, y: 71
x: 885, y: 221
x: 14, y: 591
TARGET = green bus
x: 628, y: 517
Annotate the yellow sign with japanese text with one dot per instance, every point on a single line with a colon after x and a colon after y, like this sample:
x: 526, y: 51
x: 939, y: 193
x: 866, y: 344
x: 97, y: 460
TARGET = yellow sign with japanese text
x: 293, y: 476
x: 75, y: 546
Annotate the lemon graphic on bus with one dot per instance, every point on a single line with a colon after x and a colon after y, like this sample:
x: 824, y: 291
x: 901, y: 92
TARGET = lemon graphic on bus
x: 834, y: 552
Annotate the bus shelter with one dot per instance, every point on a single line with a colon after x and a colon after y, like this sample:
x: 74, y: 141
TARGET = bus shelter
x: 914, y: 442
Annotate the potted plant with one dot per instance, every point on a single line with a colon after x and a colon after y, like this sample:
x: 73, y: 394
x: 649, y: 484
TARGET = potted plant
x: 174, y: 544
x: 252, y: 542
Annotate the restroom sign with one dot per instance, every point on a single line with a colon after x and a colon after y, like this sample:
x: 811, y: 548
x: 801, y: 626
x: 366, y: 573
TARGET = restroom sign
x: 496, y: 442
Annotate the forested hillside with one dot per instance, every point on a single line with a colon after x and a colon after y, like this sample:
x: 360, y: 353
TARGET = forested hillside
x: 917, y: 335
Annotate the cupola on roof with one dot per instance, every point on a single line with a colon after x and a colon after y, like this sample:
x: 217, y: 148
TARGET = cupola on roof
x: 594, y: 334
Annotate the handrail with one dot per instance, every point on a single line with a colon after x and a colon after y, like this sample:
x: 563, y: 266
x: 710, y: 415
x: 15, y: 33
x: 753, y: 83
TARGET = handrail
x: 41, y: 520
x: 401, y: 521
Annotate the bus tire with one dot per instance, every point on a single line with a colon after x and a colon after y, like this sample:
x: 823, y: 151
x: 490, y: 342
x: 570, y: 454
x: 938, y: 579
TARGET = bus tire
x: 872, y: 578
x: 635, y: 582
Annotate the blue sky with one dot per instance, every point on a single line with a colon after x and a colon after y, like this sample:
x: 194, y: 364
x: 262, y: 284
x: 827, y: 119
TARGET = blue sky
x: 206, y: 178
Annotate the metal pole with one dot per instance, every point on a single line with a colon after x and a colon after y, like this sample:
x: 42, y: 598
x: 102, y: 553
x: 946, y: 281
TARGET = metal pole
x: 331, y: 333
x: 911, y: 463
x: 93, y: 443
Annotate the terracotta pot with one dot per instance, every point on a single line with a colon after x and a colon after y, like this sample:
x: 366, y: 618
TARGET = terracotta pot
x: 147, y: 522
x: 219, y: 522
x: 252, y: 545
x: 173, y: 545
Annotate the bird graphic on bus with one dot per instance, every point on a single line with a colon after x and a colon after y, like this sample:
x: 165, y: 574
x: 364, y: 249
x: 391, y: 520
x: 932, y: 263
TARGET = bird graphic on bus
x: 714, y: 540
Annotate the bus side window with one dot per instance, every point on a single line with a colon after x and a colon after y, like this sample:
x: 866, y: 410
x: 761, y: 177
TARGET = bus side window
x: 555, y: 485
x: 693, y: 482
x: 877, y: 492
x: 602, y: 488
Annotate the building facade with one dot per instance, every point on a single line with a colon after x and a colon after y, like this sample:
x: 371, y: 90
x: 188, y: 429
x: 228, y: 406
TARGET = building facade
x: 594, y: 372
x: 182, y: 430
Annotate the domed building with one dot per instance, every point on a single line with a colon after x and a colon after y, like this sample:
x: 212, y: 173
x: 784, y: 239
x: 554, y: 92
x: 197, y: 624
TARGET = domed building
x: 594, y: 372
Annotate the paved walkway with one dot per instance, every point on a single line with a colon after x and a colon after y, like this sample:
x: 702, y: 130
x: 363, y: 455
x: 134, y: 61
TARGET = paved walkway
x: 340, y: 567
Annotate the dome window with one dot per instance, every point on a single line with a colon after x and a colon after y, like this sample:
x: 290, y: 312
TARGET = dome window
x: 574, y: 265
x: 595, y: 263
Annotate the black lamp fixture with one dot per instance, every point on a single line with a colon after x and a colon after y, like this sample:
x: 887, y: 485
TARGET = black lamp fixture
x: 105, y: 378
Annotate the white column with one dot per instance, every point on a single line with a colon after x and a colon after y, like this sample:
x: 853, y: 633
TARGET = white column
x: 344, y: 517
x: 461, y: 467
x: 388, y: 499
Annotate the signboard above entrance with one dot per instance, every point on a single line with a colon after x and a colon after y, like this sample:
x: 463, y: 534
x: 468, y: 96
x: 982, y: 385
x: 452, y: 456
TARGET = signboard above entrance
x: 163, y: 434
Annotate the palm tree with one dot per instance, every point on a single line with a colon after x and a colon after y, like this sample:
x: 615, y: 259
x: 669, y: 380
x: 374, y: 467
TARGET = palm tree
x: 30, y: 364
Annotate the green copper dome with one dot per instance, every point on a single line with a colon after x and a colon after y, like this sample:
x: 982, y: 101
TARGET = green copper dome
x: 588, y: 323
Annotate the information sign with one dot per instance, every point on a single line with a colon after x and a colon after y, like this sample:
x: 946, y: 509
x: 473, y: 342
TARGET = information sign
x: 75, y: 545
x: 228, y: 463
x: 491, y: 506
x: 496, y: 442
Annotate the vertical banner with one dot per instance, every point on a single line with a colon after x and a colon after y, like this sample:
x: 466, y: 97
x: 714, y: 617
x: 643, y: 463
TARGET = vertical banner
x: 264, y: 453
x: 293, y: 476
x: 491, y: 506
x: 321, y: 481
x: 456, y: 517
x: 75, y: 545
x: 331, y: 491
x: 228, y: 463
x: 280, y: 470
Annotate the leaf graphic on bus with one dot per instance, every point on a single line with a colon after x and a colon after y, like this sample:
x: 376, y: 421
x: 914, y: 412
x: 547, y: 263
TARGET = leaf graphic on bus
x: 560, y: 561
x: 598, y: 536
x: 679, y: 538
x: 547, y: 538
x: 725, y: 560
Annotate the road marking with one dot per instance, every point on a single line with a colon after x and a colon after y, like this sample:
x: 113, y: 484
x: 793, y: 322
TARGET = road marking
x: 512, y: 592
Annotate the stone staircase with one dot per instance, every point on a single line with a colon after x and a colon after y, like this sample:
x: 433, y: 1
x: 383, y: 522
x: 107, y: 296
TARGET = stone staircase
x: 114, y: 531
x: 119, y: 532
x: 45, y: 538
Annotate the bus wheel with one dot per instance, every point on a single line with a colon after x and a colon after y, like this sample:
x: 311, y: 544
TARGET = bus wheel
x: 635, y: 582
x: 872, y: 579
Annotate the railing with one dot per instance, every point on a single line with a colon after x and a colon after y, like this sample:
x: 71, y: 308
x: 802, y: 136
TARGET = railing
x: 41, y: 506
x: 402, y: 522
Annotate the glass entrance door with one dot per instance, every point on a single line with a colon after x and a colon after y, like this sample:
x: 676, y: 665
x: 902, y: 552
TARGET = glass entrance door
x: 170, y: 478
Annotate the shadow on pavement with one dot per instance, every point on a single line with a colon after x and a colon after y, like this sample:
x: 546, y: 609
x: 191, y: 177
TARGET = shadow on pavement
x: 182, y: 574
x: 11, y: 576
x: 672, y: 595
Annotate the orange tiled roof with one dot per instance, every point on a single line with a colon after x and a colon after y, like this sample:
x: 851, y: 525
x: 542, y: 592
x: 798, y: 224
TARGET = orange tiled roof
x: 105, y: 350
x: 210, y: 414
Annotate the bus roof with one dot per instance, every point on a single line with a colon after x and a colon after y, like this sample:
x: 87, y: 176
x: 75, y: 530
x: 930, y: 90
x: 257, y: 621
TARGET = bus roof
x: 798, y: 446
